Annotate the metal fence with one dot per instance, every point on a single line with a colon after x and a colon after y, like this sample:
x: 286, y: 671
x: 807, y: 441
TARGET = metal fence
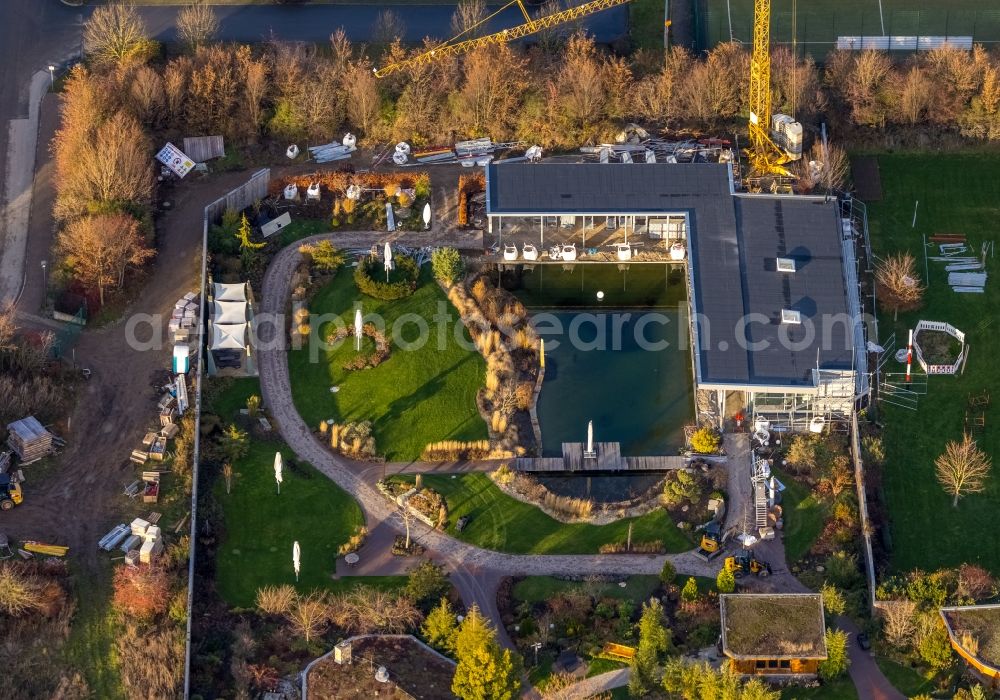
x: 242, y: 197
x: 817, y: 25
x: 253, y: 189
x: 866, y: 529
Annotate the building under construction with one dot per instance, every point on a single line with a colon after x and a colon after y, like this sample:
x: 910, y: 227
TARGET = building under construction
x: 776, y: 324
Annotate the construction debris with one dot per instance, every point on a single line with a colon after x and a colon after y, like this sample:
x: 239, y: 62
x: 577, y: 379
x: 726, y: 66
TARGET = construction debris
x: 966, y: 273
x: 469, y: 153
x: 29, y: 440
x: 53, y: 550
x: 333, y: 151
x: 114, y: 538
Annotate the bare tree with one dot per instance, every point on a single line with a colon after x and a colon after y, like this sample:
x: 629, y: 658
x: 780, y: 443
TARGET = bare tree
x: 115, y: 34
x: 197, y: 24
x: 488, y: 100
x: 365, y: 610
x: 146, y: 97
x: 388, y: 27
x: 100, y: 248
x: 898, y: 621
x: 468, y: 14
x: 867, y: 88
x: 227, y: 474
x: 914, y: 97
x: 309, y: 616
x: 276, y: 600
x: 963, y: 468
x: 897, y: 283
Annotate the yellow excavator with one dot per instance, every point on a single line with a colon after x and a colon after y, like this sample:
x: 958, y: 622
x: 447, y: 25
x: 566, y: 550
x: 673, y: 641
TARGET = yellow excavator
x: 10, y: 492
x: 744, y: 562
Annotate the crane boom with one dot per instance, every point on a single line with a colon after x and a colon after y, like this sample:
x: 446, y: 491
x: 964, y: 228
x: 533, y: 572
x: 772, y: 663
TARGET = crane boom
x: 531, y: 26
x: 765, y: 156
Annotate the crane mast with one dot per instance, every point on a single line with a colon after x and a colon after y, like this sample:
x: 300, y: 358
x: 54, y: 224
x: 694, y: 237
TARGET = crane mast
x: 530, y: 26
x: 765, y: 156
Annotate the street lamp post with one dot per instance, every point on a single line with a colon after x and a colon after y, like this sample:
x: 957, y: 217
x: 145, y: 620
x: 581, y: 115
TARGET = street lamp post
x: 52, y: 76
x: 45, y: 266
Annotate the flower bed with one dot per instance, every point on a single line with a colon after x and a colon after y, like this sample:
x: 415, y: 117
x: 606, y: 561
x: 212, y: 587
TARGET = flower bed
x: 370, y: 360
x: 402, y: 279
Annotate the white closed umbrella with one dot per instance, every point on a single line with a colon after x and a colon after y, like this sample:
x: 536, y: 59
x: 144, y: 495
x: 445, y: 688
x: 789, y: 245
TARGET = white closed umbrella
x: 358, y: 328
x: 296, y: 559
x: 388, y: 260
x: 427, y: 215
x: 277, y: 469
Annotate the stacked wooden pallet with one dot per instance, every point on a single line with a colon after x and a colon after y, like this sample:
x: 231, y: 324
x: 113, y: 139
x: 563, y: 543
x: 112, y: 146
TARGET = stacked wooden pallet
x: 29, y: 440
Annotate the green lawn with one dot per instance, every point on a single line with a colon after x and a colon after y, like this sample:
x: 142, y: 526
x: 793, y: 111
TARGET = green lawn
x: 536, y: 589
x: 818, y: 24
x: 90, y: 647
x: 505, y: 524
x: 840, y: 689
x: 957, y: 193
x: 417, y: 396
x: 260, y: 526
x: 803, y: 514
x: 225, y: 397
x: 904, y: 679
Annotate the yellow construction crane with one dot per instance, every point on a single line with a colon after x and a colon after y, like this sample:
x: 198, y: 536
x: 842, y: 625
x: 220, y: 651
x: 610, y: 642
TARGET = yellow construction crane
x: 454, y: 47
x: 765, y: 156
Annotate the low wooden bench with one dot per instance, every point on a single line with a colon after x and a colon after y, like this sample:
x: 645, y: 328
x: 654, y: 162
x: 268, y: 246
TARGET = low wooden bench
x: 618, y: 652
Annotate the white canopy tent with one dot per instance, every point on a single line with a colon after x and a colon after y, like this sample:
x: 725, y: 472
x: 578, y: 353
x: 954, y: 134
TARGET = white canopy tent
x: 229, y: 336
x: 230, y: 292
x: 229, y: 312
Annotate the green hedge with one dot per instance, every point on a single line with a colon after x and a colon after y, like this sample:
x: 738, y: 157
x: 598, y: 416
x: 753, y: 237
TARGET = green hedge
x: 370, y: 273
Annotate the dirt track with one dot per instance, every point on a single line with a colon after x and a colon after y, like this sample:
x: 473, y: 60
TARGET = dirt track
x: 81, y: 497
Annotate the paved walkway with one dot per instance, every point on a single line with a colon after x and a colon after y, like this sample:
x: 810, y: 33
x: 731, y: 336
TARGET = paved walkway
x: 476, y: 572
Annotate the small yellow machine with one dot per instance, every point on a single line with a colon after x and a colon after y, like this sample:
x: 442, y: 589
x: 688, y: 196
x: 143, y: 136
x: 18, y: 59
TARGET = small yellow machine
x: 10, y: 492
x: 744, y: 562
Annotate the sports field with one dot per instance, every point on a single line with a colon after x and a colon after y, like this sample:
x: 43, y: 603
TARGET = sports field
x: 818, y: 24
x: 957, y: 194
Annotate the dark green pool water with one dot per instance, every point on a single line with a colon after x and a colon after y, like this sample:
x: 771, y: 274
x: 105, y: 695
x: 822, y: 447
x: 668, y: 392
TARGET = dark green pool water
x: 622, y: 362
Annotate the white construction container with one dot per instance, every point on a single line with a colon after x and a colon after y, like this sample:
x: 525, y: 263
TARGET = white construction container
x: 139, y: 527
x: 787, y: 133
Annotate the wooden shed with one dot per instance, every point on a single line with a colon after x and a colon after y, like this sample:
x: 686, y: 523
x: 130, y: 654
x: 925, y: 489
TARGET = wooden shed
x: 773, y: 634
x: 974, y: 631
x: 29, y: 439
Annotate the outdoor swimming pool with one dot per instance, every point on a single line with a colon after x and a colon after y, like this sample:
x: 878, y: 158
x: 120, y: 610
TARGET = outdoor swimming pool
x: 622, y: 361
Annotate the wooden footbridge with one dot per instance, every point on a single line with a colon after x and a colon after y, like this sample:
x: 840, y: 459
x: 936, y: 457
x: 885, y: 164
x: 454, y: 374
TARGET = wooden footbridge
x: 606, y: 457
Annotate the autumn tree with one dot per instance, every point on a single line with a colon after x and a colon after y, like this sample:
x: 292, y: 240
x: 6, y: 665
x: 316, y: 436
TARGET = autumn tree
x: 145, y: 96
x: 488, y: 97
x: 197, y: 24
x: 440, y: 626
x: 141, y: 592
x: 109, y: 165
x: 655, y: 94
x: 253, y: 75
x: 485, y: 671
x: 962, y: 469
x: 362, y: 96
x: 577, y: 94
x: 99, y: 249
x: 115, y: 34
x: 898, y: 285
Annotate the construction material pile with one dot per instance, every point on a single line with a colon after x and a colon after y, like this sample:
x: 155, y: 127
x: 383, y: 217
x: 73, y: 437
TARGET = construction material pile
x: 469, y: 153
x: 966, y: 273
x: 29, y: 440
x: 653, y: 150
x: 184, y: 317
x: 333, y: 151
